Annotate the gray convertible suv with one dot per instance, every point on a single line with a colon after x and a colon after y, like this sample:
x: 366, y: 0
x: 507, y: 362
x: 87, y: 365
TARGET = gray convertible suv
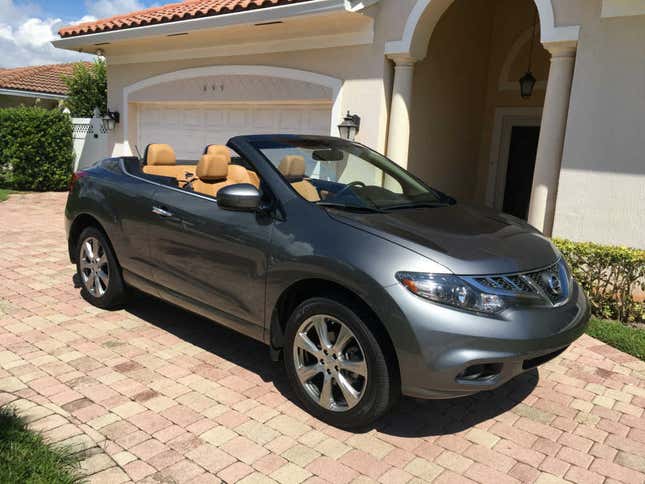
x: 365, y: 281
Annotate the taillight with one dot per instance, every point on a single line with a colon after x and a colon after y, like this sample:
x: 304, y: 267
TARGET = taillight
x: 75, y: 177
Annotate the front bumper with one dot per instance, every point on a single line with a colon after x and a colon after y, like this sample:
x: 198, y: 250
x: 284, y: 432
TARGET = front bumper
x: 452, y: 345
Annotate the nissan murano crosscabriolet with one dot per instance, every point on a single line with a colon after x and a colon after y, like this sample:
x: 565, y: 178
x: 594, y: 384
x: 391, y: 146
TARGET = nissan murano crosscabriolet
x: 364, y: 280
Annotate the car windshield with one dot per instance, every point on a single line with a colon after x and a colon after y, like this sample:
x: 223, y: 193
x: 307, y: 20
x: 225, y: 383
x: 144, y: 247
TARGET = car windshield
x: 341, y: 174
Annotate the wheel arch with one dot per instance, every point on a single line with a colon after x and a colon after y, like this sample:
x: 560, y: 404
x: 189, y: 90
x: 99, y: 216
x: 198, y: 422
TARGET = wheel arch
x: 304, y: 289
x: 80, y: 223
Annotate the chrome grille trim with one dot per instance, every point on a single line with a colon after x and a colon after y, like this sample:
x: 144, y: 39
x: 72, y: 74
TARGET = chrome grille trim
x: 532, y: 284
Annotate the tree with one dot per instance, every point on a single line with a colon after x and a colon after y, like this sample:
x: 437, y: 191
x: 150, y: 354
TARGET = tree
x: 87, y: 88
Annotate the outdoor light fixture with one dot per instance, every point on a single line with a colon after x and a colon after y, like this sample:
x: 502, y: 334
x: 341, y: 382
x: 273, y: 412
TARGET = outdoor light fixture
x: 350, y: 126
x: 527, y: 82
x: 110, y: 120
x: 99, y: 52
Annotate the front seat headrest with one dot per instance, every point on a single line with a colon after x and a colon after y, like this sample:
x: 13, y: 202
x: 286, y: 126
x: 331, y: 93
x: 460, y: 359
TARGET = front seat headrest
x: 158, y: 154
x: 292, y: 167
x: 212, y: 168
x: 218, y: 150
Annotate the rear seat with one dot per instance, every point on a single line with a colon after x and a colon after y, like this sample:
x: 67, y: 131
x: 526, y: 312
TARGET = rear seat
x: 162, y: 161
x: 253, y: 177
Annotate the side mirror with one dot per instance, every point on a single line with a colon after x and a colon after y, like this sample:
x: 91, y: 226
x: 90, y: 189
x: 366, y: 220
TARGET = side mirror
x: 242, y: 197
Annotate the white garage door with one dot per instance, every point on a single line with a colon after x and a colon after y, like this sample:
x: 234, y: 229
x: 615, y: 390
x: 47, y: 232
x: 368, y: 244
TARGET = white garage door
x: 190, y: 128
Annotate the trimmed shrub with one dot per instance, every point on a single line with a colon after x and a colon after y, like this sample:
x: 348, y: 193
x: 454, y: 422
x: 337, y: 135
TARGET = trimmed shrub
x: 87, y: 89
x: 611, y: 277
x: 36, y: 149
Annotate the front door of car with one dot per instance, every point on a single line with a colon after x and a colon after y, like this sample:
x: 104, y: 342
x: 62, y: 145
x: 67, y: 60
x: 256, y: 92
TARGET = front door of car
x: 210, y: 259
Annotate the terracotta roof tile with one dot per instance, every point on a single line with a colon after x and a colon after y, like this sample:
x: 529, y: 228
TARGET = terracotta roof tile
x: 46, y: 79
x: 188, y: 9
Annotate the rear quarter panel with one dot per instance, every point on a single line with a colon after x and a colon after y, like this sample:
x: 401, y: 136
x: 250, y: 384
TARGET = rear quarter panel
x: 121, y: 204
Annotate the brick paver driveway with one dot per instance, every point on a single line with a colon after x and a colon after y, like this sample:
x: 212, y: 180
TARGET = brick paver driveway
x: 163, y: 395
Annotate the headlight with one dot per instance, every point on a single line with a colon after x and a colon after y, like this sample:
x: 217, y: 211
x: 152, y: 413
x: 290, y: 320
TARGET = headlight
x: 451, y: 290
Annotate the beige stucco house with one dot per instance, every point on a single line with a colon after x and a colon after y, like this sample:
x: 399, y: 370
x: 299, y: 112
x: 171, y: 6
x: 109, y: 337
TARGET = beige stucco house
x: 434, y: 81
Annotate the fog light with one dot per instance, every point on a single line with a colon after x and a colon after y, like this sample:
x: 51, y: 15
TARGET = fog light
x: 482, y: 372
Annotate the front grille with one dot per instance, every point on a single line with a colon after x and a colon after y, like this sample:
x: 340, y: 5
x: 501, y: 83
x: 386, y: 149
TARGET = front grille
x: 539, y: 279
x: 550, y: 284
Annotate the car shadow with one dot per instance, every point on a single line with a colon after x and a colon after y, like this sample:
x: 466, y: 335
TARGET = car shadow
x: 410, y: 418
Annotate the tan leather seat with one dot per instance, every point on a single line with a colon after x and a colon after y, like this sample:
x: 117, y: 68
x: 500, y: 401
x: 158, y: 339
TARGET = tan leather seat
x: 292, y: 168
x: 215, y: 172
x: 162, y: 161
x: 218, y: 150
x: 212, y: 174
x: 253, y: 178
x: 237, y: 174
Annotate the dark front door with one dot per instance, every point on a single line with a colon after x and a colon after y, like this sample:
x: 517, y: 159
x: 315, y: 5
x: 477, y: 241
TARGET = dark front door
x: 211, y: 260
x: 521, y: 166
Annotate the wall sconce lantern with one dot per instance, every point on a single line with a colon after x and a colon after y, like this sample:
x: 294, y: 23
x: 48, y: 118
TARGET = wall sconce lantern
x: 110, y: 120
x: 350, y: 126
x: 527, y: 82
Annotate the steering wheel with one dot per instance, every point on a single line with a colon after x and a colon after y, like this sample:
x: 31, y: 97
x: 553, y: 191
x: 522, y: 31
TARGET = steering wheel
x: 349, y: 186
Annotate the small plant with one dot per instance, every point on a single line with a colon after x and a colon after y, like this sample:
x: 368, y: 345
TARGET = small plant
x: 25, y: 457
x: 36, y: 149
x: 610, y: 276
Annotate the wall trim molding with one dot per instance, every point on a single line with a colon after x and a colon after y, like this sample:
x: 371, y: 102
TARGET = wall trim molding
x: 361, y: 37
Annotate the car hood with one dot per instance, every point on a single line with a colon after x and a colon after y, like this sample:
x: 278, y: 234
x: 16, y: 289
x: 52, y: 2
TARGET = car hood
x: 466, y: 240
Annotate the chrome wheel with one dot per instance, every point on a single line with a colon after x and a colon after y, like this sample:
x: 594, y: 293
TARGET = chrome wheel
x: 94, y: 267
x: 330, y: 363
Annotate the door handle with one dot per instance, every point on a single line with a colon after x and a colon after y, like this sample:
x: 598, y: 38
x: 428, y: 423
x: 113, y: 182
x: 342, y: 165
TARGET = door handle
x: 161, y: 212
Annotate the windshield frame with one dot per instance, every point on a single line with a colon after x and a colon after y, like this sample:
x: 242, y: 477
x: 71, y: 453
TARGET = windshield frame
x: 384, y: 164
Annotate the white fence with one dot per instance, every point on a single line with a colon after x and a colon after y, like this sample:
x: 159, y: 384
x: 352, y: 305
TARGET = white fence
x: 90, y: 141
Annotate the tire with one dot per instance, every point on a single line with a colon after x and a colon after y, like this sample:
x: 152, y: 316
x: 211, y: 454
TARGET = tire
x: 377, y: 391
x: 101, y: 280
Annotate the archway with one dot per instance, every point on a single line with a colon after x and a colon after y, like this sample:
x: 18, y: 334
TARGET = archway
x: 457, y: 118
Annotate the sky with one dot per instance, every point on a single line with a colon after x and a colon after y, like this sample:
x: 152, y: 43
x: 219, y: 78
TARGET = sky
x: 28, y: 26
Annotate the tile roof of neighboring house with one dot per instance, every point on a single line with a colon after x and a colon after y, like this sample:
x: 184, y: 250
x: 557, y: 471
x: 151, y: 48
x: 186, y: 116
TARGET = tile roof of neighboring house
x: 46, y: 79
x: 187, y: 9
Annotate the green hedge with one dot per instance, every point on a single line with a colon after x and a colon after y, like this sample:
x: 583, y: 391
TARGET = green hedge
x: 36, y: 149
x: 611, y: 276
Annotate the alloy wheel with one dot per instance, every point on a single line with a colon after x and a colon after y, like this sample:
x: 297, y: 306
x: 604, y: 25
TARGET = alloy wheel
x: 94, y: 267
x: 330, y: 363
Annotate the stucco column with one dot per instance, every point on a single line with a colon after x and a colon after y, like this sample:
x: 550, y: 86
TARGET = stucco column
x: 398, y: 141
x: 552, y: 133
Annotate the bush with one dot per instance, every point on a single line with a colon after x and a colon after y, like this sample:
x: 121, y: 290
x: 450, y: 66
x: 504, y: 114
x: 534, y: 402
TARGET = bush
x: 36, y: 149
x: 87, y: 89
x: 610, y: 276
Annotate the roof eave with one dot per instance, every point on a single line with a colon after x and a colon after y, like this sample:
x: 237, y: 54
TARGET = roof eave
x: 270, y: 14
x: 26, y: 93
